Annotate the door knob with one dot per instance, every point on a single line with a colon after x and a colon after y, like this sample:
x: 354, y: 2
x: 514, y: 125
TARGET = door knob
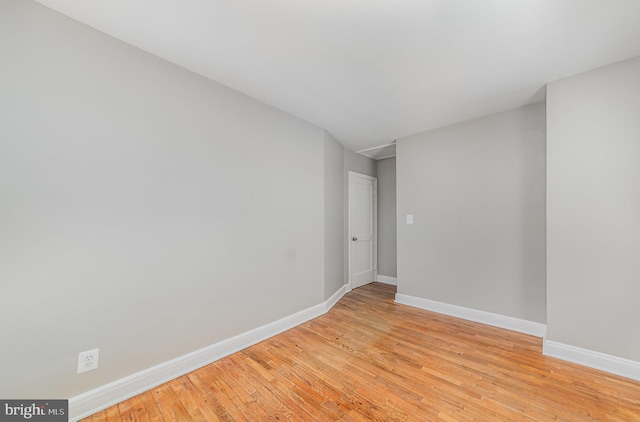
x: 354, y: 238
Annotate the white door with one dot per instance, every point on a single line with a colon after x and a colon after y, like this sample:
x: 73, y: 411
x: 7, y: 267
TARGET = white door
x: 363, y: 206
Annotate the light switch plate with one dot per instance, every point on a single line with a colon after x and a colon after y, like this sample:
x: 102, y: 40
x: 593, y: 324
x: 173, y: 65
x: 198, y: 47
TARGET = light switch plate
x: 409, y: 218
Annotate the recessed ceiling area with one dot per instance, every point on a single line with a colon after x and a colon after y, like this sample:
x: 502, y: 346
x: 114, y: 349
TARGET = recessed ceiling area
x: 373, y: 71
x: 380, y: 152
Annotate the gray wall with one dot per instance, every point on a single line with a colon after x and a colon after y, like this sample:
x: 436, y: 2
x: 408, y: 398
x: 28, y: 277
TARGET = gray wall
x: 593, y: 203
x: 144, y: 210
x: 359, y: 164
x: 477, y: 193
x: 387, y: 248
x: 334, y: 252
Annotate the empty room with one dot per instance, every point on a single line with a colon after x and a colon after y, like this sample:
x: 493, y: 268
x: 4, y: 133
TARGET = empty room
x: 319, y: 210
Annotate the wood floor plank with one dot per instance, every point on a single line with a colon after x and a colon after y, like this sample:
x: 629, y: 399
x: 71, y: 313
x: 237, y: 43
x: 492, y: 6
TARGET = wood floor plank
x: 139, y: 410
x: 370, y: 359
x: 192, y: 403
x: 112, y: 414
x: 154, y: 413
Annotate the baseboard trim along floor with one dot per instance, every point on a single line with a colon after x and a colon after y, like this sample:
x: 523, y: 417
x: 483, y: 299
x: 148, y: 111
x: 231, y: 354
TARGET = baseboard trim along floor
x: 107, y: 395
x: 596, y: 360
x: 387, y: 280
x: 483, y: 317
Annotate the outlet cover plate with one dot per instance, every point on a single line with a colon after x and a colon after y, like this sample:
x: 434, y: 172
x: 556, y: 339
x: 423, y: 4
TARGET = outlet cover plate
x: 88, y: 361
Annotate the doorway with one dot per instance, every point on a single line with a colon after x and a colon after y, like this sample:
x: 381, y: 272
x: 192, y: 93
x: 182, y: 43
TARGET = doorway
x: 363, y: 228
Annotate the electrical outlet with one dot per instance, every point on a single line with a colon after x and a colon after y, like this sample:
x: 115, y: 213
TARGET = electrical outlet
x: 88, y: 361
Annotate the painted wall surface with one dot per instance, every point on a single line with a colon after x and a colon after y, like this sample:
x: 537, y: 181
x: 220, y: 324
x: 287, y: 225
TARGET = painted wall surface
x: 593, y: 205
x: 334, y: 255
x: 359, y: 164
x: 387, y: 247
x: 144, y: 210
x: 477, y: 193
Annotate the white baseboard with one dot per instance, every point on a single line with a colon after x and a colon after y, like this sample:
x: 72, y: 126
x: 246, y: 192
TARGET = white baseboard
x: 488, y: 318
x: 387, y: 280
x: 107, y: 395
x: 602, y: 361
x: 331, y: 302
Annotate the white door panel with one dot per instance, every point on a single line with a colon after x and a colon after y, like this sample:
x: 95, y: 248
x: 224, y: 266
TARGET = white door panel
x: 362, y: 229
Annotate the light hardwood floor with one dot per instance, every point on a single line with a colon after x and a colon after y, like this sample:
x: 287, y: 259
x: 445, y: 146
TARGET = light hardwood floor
x: 371, y: 359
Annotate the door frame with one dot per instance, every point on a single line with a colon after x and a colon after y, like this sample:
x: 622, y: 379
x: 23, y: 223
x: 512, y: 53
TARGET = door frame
x: 375, y: 223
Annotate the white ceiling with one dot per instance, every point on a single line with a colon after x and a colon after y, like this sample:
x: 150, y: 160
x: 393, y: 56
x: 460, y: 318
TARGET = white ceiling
x: 371, y: 71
